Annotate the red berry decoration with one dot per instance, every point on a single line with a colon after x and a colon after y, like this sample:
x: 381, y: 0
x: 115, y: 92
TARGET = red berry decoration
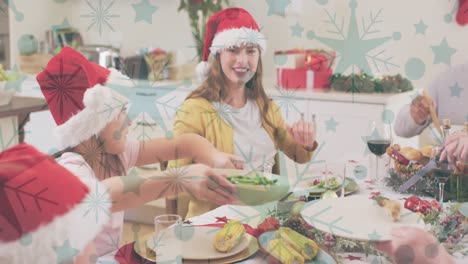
x: 270, y: 224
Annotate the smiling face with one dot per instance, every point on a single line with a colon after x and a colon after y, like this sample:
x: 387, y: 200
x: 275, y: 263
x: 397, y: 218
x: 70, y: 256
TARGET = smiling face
x: 239, y: 64
x: 114, y: 134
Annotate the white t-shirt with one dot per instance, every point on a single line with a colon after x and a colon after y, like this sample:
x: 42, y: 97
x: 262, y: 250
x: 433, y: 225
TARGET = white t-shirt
x: 109, y: 239
x: 251, y: 141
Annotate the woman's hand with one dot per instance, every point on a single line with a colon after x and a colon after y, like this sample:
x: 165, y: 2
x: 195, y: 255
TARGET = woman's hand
x: 206, y: 184
x: 303, y: 133
x: 456, y: 150
x: 414, y: 245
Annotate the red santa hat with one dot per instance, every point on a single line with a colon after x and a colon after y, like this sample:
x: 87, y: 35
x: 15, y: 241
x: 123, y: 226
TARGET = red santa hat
x: 78, y: 99
x: 462, y: 13
x: 44, y: 213
x: 228, y: 28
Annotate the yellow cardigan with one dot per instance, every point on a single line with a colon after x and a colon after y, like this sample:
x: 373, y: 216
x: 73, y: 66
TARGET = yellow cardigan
x: 197, y: 115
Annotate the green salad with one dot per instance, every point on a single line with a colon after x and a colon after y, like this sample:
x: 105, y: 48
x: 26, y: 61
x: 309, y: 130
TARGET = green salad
x: 257, y: 180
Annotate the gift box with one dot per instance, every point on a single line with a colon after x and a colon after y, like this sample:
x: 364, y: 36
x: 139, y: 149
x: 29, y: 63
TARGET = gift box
x: 301, y: 58
x: 307, y: 69
x: 303, y: 78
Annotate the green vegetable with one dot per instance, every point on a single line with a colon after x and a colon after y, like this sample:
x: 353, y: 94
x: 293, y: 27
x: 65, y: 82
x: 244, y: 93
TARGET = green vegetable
x: 257, y: 180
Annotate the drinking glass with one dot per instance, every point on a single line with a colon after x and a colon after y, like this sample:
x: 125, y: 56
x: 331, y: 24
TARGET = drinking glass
x: 379, y: 139
x: 163, y: 226
x: 165, y: 221
x: 333, y: 177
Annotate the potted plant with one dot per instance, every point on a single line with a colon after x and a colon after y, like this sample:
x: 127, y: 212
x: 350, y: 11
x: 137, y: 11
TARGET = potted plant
x: 199, y: 11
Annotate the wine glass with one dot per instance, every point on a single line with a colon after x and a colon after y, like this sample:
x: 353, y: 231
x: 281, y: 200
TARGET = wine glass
x: 379, y: 139
x: 333, y: 179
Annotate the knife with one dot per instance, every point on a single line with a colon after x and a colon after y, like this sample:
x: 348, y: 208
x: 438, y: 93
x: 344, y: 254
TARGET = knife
x: 429, y: 166
x: 433, y: 163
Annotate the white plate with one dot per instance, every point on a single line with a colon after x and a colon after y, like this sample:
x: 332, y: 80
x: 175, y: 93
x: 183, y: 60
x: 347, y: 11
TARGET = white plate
x: 198, y: 246
x: 356, y: 217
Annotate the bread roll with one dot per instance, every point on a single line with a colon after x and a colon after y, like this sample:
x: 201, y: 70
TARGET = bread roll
x: 427, y: 151
x: 411, y: 153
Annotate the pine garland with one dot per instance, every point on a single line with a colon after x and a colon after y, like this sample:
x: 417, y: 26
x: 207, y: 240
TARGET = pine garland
x: 424, y: 187
x: 364, y: 83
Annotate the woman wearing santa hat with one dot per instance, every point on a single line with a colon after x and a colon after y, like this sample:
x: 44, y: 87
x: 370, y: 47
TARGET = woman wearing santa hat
x: 231, y: 108
x: 92, y: 126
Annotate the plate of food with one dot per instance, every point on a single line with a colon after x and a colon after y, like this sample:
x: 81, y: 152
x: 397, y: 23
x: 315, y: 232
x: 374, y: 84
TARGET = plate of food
x: 287, y: 246
x: 359, y: 217
x: 200, y: 243
x: 316, y: 186
x: 256, y: 188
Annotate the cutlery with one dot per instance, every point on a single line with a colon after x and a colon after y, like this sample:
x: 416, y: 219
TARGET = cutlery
x: 434, y: 117
x: 433, y: 163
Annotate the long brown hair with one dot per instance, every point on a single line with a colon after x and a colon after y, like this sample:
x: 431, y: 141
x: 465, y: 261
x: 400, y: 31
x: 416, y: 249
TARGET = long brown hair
x: 96, y: 157
x: 214, y: 89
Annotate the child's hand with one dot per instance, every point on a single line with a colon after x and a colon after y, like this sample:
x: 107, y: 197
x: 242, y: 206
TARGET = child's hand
x: 227, y: 161
x: 206, y: 184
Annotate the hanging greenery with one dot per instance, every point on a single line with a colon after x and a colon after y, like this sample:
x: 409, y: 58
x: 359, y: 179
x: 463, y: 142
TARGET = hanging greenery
x: 199, y: 11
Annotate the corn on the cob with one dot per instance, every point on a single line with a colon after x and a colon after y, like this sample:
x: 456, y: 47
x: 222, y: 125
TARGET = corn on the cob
x: 306, y: 247
x: 229, y: 236
x: 284, y: 252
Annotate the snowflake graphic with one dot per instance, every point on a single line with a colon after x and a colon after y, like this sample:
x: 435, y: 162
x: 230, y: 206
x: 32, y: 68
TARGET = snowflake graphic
x: 277, y: 7
x: 19, y: 16
x: 144, y: 11
x: 144, y: 128
x: 354, y: 47
x: 100, y: 15
x: 221, y: 112
x: 301, y: 175
x: 443, y: 52
x: 65, y: 252
x: 176, y: 181
x: 449, y: 17
x: 145, y: 97
x: 250, y: 36
x: 315, y: 219
x: 132, y: 182
x: 18, y: 80
x: 286, y: 101
x: 97, y: 202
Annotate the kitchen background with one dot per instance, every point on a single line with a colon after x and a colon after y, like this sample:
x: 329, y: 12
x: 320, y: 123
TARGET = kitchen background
x: 421, y: 37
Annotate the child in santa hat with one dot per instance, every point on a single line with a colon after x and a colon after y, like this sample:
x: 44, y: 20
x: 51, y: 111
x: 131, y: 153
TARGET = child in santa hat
x: 49, y: 215
x: 93, y: 126
x: 250, y: 123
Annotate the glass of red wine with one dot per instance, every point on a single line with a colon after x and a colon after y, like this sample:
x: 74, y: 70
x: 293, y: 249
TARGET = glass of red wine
x: 379, y: 139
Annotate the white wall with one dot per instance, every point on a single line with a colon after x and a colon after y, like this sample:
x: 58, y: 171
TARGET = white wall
x: 38, y: 16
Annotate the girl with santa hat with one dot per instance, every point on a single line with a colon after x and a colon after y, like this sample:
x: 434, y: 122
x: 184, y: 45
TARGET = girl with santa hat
x: 92, y: 127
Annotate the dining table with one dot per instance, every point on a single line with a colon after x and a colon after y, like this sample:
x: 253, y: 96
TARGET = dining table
x: 298, y: 176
